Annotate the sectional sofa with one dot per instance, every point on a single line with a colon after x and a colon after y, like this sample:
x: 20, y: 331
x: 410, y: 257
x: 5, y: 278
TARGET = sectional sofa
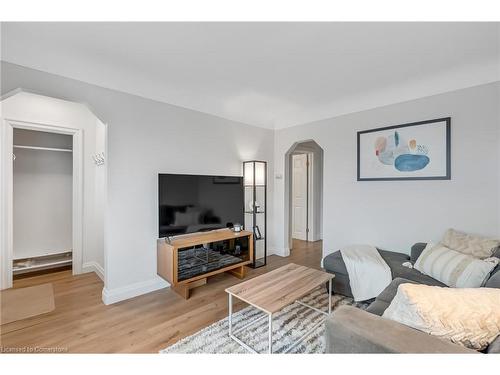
x: 352, y: 330
x: 334, y: 263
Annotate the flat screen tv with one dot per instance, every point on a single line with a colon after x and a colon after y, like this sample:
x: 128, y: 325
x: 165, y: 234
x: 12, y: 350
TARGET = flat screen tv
x: 194, y: 203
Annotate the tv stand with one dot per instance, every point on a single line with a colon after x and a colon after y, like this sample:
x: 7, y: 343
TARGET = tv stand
x: 187, y: 261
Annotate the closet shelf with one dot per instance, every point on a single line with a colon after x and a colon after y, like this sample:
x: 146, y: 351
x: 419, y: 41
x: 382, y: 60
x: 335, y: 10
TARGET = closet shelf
x: 40, y: 266
x: 24, y: 265
x: 43, y: 148
x: 44, y: 255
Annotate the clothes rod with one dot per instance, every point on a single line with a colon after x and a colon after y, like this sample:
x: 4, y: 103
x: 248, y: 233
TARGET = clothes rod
x: 43, y: 148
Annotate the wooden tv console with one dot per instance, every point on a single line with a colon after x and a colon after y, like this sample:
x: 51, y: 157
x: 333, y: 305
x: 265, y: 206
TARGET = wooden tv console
x: 180, y: 256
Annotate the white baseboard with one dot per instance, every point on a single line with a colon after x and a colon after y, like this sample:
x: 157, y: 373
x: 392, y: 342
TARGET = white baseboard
x: 110, y: 296
x: 93, y: 267
x: 282, y: 252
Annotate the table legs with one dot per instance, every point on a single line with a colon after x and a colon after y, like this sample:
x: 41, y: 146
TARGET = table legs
x: 330, y: 296
x: 232, y: 334
x: 230, y: 302
x: 270, y: 333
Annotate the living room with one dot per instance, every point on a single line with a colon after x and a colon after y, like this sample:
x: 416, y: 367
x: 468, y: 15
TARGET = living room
x: 250, y: 187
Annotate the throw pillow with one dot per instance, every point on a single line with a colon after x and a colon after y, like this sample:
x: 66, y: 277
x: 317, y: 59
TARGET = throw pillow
x: 453, y: 268
x: 477, y: 246
x: 468, y: 317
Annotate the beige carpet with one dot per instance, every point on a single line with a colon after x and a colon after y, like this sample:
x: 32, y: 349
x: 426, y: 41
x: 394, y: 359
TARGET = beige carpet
x: 24, y: 303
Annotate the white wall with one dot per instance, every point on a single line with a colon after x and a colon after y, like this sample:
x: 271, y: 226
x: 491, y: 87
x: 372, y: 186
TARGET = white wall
x: 395, y: 214
x: 42, y: 189
x: 93, y: 258
x: 33, y: 108
x: 146, y: 138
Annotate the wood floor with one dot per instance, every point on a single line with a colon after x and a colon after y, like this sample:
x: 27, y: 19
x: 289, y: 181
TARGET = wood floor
x: 81, y: 323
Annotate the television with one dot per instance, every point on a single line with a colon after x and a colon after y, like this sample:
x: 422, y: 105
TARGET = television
x: 195, y: 203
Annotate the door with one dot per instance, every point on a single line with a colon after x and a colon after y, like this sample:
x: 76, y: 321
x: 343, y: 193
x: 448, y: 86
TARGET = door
x: 299, y: 196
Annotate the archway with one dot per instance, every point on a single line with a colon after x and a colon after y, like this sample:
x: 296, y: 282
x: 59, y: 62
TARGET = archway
x: 303, y: 206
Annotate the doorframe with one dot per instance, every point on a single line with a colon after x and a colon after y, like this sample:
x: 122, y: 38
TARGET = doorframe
x: 318, y: 151
x: 7, y: 193
x: 310, y: 234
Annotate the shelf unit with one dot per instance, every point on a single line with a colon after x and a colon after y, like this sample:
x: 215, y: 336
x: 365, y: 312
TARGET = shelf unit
x: 255, y: 185
x: 217, y: 246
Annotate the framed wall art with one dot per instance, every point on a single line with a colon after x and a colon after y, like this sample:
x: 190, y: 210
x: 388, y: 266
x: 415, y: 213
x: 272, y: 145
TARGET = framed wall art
x: 413, y: 151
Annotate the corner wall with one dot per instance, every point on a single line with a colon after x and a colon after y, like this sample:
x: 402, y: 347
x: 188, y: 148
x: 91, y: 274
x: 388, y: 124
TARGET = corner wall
x: 145, y: 138
x: 395, y: 214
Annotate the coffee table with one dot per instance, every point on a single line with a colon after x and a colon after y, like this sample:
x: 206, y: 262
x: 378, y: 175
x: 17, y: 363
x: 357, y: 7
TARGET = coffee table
x: 275, y: 290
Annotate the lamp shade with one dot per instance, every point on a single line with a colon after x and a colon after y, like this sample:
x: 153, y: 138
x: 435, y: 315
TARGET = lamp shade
x: 255, y: 173
x: 248, y: 173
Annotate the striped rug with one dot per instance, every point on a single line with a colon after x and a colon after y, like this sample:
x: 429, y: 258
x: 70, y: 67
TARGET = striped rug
x: 288, y: 325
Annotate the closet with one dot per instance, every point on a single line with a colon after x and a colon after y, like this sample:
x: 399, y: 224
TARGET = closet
x: 42, y: 201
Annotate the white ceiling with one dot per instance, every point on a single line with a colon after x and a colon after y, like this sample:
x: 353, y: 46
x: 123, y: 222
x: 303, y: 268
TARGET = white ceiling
x: 272, y: 75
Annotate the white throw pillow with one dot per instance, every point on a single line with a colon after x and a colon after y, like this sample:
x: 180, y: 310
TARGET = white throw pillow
x: 468, y: 317
x: 454, y: 268
x: 477, y: 246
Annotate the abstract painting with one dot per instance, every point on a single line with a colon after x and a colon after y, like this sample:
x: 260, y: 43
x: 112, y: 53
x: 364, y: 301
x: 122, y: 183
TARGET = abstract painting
x: 413, y: 151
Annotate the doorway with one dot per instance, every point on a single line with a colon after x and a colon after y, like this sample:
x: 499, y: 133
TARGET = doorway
x: 50, y: 214
x: 44, y: 195
x: 304, y: 188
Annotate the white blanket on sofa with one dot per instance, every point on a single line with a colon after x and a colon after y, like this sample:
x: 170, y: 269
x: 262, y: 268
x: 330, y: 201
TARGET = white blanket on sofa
x: 368, y: 273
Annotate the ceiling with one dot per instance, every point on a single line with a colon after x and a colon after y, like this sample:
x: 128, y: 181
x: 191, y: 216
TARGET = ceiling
x: 272, y: 75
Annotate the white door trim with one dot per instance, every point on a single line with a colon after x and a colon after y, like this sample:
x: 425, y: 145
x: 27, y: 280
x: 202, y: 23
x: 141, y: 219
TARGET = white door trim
x: 6, y: 201
x: 311, y: 234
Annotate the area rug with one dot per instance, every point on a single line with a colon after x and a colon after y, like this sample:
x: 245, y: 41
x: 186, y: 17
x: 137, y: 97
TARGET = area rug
x: 288, y: 325
x: 22, y: 303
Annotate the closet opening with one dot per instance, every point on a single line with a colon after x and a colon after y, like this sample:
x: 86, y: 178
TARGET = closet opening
x: 41, y: 200
x: 53, y: 195
x: 42, y: 205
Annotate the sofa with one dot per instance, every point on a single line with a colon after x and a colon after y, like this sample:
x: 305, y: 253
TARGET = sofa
x: 334, y: 263
x: 353, y: 330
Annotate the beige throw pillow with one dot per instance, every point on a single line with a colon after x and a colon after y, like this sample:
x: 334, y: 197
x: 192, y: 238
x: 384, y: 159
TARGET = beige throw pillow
x: 476, y: 246
x: 453, y: 268
x: 468, y: 317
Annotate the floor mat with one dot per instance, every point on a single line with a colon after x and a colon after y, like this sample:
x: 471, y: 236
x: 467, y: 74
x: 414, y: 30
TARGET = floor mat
x: 24, y: 303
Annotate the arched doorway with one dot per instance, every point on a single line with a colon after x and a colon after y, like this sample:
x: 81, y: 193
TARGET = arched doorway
x: 303, y: 194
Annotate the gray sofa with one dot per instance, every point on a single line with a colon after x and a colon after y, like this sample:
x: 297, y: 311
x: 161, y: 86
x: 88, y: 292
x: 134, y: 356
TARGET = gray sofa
x: 353, y: 330
x: 335, y: 264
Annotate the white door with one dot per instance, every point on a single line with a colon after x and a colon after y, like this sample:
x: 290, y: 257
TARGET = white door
x: 299, y: 196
